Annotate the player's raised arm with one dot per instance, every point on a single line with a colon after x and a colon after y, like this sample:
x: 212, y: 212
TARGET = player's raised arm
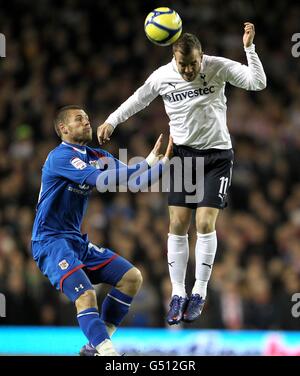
x: 251, y: 76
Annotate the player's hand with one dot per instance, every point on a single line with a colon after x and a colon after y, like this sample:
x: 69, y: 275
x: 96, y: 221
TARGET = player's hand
x: 249, y: 33
x: 104, y: 132
x: 157, y: 147
x: 156, y: 154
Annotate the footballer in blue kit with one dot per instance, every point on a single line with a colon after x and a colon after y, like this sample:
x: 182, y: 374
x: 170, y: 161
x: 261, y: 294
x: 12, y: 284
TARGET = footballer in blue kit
x: 66, y: 256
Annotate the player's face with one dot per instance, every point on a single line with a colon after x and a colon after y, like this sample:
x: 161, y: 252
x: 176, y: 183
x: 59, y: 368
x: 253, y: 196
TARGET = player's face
x: 189, y: 66
x: 77, y: 129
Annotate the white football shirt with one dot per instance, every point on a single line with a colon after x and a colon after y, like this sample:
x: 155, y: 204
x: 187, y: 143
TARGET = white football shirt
x: 197, y: 109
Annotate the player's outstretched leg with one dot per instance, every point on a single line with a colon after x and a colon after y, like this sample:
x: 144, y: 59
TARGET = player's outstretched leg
x: 178, y: 255
x: 205, y: 252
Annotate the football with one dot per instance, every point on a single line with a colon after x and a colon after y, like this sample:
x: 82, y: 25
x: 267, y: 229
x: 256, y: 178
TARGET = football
x: 163, y: 26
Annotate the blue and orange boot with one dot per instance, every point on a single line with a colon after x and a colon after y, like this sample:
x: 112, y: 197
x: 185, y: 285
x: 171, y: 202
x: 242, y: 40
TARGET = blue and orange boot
x: 194, y: 308
x: 177, y: 307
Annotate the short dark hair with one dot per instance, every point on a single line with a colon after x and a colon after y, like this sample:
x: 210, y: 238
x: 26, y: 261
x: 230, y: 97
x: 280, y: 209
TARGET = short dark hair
x: 186, y: 44
x: 61, y: 116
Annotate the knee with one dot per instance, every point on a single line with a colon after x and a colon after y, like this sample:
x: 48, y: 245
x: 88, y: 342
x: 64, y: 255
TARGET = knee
x: 87, y: 299
x: 130, y: 282
x: 178, y: 226
x: 205, y: 225
x: 206, y: 220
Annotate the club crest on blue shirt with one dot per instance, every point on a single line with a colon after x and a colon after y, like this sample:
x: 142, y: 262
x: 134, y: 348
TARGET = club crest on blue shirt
x: 78, y: 163
x: 63, y: 264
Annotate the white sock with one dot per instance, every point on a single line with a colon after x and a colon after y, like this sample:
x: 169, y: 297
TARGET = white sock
x: 111, y: 328
x: 178, y: 255
x: 106, y: 348
x: 206, y: 248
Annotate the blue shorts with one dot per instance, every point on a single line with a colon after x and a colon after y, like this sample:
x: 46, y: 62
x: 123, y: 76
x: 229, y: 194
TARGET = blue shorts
x: 58, y: 258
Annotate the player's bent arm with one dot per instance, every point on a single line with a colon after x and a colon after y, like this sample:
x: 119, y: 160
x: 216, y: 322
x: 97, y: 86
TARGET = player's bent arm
x: 119, y: 172
x: 116, y: 171
x: 136, y: 102
x: 73, y: 168
x: 120, y: 168
x: 251, y: 77
x: 135, y: 180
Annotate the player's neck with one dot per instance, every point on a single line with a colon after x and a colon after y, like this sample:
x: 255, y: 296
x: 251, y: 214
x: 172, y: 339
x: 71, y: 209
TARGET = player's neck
x: 74, y: 143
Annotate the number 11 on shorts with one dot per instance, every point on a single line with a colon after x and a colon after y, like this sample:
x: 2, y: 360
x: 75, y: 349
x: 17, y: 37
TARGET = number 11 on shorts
x: 223, y: 185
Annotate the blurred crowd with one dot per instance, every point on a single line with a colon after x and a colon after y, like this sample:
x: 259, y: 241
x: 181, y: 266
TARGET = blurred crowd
x: 95, y: 54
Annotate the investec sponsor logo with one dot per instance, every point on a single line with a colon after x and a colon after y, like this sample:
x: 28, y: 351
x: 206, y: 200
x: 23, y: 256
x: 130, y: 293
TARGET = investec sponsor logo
x: 176, y: 97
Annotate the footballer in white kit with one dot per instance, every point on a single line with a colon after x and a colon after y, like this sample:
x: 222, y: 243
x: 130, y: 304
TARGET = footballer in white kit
x: 192, y: 87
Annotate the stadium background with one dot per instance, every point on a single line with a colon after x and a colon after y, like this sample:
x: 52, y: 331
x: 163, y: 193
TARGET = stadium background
x: 96, y: 54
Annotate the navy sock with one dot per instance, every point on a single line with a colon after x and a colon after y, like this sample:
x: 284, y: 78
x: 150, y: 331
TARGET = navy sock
x: 115, y: 307
x: 92, y: 326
